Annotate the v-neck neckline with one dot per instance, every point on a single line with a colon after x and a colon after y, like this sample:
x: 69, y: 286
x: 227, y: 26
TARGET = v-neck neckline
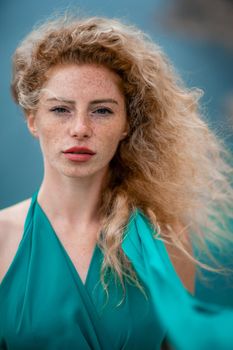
x: 93, y: 257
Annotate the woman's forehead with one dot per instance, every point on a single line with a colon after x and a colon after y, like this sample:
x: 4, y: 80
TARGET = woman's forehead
x: 80, y: 79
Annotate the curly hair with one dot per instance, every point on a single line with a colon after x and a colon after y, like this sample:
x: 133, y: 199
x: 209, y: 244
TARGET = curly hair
x: 171, y: 165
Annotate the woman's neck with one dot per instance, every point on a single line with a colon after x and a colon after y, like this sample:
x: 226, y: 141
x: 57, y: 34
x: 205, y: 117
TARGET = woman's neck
x: 76, y: 200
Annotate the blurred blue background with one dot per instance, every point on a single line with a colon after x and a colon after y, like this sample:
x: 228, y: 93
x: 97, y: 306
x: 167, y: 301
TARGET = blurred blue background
x: 196, y: 35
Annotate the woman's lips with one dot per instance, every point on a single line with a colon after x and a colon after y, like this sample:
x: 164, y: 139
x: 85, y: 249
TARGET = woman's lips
x: 79, y: 154
x: 78, y: 157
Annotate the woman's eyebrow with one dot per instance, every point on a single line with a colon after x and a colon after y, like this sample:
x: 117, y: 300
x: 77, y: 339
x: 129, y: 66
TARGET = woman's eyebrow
x: 105, y: 100
x: 61, y: 99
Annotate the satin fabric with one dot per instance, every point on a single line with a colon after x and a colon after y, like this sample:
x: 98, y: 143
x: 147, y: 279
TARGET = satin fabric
x: 191, y: 324
x: 45, y: 305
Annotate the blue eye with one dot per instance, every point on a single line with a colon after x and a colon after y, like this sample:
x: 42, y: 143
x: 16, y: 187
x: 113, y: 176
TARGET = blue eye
x: 103, y: 111
x: 60, y: 110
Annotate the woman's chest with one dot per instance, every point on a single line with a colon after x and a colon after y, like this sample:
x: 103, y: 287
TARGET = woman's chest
x: 80, y: 255
x: 47, y: 306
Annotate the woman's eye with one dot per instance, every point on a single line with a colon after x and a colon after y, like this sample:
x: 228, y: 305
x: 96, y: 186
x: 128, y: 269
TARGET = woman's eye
x: 60, y: 110
x: 103, y: 111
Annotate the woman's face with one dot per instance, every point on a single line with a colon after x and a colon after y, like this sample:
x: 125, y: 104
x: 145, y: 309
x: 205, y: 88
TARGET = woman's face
x: 80, y: 120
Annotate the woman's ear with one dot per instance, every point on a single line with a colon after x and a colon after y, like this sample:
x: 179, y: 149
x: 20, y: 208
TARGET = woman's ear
x: 125, y: 132
x: 31, y: 124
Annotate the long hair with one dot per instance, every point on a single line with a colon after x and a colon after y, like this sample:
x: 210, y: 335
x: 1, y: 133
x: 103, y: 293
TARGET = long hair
x: 171, y: 165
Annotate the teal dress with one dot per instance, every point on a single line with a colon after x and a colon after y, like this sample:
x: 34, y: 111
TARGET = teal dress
x: 45, y: 305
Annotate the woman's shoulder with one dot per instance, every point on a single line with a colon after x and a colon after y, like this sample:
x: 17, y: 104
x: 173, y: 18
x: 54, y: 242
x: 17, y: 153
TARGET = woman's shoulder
x: 14, y: 215
x: 12, y: 221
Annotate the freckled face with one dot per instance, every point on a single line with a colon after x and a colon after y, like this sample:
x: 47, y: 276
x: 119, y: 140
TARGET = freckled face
x: 81, y: 109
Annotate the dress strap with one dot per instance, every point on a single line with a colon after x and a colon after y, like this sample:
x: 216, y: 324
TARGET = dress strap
x: 30, y: 212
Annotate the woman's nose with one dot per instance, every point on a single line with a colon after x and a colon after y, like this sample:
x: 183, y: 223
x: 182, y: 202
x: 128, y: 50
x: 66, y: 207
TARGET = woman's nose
x: 81, y: 128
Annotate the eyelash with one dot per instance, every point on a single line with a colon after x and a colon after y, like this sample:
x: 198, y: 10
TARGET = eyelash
x: 60, y: 110
x: 106, y: 111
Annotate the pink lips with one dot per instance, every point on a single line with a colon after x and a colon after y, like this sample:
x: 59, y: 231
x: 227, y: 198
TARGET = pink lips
x: 79, y: 154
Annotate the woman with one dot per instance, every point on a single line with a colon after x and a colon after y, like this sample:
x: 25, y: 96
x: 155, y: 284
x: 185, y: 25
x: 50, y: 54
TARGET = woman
x: 129, y: 169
